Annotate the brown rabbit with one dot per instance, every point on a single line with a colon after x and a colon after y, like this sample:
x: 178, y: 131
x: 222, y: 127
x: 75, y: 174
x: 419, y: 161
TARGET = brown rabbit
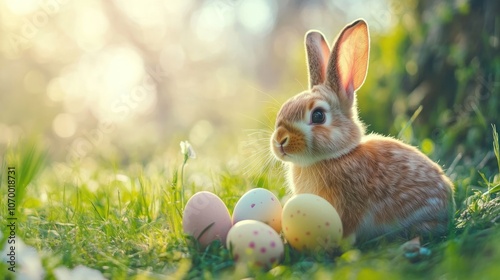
x: 378, y: 185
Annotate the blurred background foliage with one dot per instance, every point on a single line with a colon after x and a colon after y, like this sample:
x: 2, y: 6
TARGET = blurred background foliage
x: 127, y: 80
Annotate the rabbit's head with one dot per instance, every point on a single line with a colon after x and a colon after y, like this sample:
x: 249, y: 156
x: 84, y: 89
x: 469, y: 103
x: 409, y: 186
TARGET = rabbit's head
x: 322, y: 122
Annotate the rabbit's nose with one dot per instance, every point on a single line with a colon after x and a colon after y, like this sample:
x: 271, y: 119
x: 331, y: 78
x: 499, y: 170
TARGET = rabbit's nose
x: 281, y: 136
x: 284, y: 141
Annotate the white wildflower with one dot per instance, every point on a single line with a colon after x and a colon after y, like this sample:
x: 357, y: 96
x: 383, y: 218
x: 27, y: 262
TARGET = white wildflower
x: 28, y: 264
x: 187, y: 150
x: 80, y: 272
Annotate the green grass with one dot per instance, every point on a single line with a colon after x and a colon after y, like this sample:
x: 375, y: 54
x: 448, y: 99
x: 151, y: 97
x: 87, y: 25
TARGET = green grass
x: 126, y: 222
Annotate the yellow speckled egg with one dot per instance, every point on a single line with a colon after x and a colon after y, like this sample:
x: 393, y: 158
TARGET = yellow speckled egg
x: 261, y: 205
x: 256, y: 243
x: 310, y: 223
x: 206, y: 218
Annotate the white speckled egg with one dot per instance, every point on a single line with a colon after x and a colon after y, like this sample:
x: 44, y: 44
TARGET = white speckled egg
x: 310, y: 223
x: 206, y: 218
x: 260, y: 205
x: 256, y: 243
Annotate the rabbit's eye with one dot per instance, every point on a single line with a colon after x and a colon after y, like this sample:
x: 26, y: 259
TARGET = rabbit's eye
x: 318, y: 116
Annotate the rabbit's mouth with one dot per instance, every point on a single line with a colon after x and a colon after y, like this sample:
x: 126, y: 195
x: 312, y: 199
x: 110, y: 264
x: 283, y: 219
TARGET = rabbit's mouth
x: 282, y: 151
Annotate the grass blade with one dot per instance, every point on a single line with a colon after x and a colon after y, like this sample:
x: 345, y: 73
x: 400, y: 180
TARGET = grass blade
x: 410, y: 122
x: 496, y: 146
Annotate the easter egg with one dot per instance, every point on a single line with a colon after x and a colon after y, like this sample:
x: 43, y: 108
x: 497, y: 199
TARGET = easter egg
x: 206, y: 218
x: 256, y: 243
x: 310, y: 223
x: 260, y: 205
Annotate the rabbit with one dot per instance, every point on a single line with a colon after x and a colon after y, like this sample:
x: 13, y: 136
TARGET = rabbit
x: 378, y: 185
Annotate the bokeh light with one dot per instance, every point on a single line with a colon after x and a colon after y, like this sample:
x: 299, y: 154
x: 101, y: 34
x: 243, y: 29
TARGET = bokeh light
x: 257, y: 16
x: 158, y: 71
x: 64, y: 125
x: 161, y: 71
x: 21, y: 7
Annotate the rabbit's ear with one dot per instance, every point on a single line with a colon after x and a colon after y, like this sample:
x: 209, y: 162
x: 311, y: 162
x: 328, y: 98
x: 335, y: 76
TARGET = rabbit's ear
x: 318, y: 53
x: 348, y: 63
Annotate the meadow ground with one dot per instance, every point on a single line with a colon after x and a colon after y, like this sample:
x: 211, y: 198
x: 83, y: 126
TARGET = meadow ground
x: 124, y: 220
